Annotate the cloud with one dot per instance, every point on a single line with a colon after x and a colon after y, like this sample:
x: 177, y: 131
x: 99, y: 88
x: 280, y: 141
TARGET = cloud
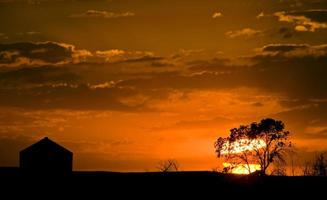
x: 37, y: 2
x: 55, y: 54
x: 309, y: 120
x: 294, y: 50
x: 301, y: 67
x: 318, y: 15
x: 186, y: 54
x: 3, y: 36
x: 294, y: 70
x: 304, y: 21
x: 103, y: 85
x: 217, y: 15
x: 70, y: 97
x: 283, y: 47
x: 162, y: 63
x: 127, y: 80
x: 102, y: 14
x: 117, y: 55
x: 29, y: 33
x: 247, y: 32
x: 110, y: 53
x: 301, y: 28
x: 260, y: 15
x: 40, y: 53
x: 282, y: 78
x: 220, y: 65
x: 27, y: 77
x: 286, y: 32
x: 216, y: 123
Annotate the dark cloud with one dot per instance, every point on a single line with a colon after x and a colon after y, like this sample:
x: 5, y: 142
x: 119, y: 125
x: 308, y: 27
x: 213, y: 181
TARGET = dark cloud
x: 162, y: 63
x: 308, y: 121
x: 43, y: 53
x: 315, y: 15
x: 144, y: 59
x: 54, y: 53
x: 66, y: 96
x: 293, y: 70
x: 257, y: 104
x: 41, y: 1
x: 317, y: 135
x: 215, y: 123
x: 297, y: 71
x: 286, y: 32
x: 303, y: 21
x: 38, y: 75
x: 83, y: 86
x: 310, y: 3
x: 213, y: 65
x: 284, y: 47
x: 204, y: 80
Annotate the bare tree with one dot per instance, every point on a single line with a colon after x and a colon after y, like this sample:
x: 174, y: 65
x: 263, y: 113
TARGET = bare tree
x: 320, y: 165
x: 307, y: 169
x: 168, y: 166
x: 292, y: 155
x: 279, y: 168
x: 317, y: 167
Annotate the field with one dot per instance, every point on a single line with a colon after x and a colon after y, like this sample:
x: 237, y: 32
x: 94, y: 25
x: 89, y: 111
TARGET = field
x: 154, y: 185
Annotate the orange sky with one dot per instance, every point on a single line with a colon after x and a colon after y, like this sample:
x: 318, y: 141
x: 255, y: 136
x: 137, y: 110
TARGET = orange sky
x: 126, y: 84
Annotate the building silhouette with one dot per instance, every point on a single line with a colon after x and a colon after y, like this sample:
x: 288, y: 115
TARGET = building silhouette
x: 46, y: 157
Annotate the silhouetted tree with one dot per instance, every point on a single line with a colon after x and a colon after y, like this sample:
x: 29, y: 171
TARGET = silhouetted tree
x: 320, y: 165
x: 279, y: 168
x: 168, y: 166
x: 259, y: 143
x: 292, y: 156
x: 307, y: 169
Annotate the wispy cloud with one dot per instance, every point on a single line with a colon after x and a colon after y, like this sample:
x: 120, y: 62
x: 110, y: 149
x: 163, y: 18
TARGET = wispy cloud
x: 101, y: 14
x: 247, y: 32
x: 217, y: 15
x: 261, y: 15
x: 118, y: 55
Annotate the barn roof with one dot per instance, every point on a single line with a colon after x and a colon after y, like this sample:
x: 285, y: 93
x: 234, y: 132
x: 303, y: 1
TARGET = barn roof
x: 46, y: 145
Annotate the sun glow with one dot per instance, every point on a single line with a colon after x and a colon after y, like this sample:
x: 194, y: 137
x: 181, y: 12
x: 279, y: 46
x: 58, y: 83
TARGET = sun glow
x: 242, y: 168
x: 242, y: 145
x: 238, y: 147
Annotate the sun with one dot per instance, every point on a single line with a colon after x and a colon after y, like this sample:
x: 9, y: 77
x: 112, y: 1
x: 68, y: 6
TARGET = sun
x: 242, y: 168
x: 238, y: 147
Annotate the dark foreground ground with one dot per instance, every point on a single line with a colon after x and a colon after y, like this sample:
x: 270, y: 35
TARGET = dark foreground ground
x: 197, y: 185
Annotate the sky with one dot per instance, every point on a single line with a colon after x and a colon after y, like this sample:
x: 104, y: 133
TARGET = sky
x: 125, y: 84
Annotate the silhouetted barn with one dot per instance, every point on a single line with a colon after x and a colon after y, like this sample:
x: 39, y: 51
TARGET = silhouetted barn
x: 46, y: 157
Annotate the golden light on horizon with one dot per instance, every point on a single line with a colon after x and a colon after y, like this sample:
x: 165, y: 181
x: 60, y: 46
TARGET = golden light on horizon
x: 242, y: 168
x: 238, y: 147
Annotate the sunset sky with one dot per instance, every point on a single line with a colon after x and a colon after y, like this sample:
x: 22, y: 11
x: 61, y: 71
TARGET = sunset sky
x: 125, y: 84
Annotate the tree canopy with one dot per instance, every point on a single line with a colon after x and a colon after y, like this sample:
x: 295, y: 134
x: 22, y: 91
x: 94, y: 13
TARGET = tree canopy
x: 258, y: 143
